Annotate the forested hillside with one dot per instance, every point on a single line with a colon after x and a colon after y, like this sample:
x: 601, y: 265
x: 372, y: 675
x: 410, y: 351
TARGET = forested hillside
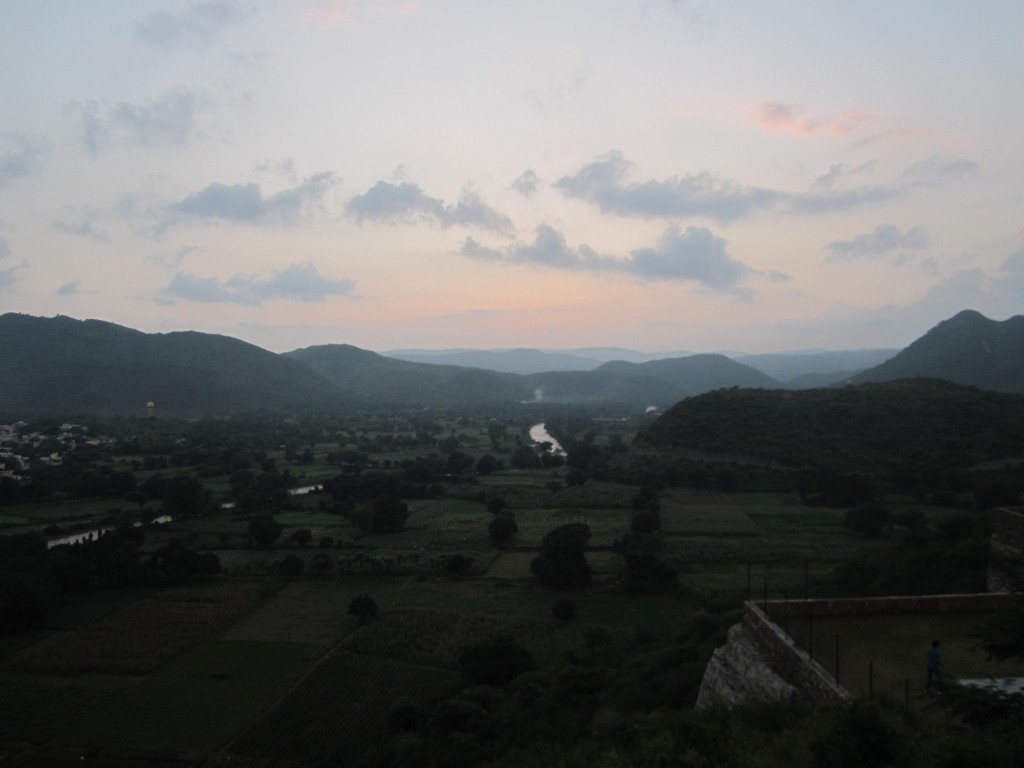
x: 969, y: 348
x: 60, y: 364
x: 911, y: 422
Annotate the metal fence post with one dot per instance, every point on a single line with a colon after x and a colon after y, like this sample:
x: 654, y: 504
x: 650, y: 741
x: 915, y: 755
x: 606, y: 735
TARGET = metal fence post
x: 837, y: 658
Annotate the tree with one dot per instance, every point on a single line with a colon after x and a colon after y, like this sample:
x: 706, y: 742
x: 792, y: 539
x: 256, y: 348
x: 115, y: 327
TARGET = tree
x: 525, y: 458
x: 502, y: 528
x: 562, y: 561
x: 564, y: 610
x: 302, y: 536
x: 292, y: 565
x: 487, y: 464
x: 497, y: 661
x: 459, y: 463
x: 264, y: 530
x: 363, y: 607
x: 184, y: 497
x: 385, y: 514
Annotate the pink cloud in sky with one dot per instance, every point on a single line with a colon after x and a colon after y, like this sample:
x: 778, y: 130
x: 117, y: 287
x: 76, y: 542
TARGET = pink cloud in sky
x: 330, y: 14
x: 777, y: 117
x: 408, y: 8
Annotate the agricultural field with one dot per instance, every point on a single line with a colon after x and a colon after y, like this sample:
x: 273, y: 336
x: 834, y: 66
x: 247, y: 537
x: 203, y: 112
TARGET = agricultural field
x: 264, y: 663
x: 342, y: 707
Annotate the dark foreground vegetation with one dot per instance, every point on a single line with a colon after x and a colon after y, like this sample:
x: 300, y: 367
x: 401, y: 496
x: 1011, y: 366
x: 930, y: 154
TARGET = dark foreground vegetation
x: 432, y: 588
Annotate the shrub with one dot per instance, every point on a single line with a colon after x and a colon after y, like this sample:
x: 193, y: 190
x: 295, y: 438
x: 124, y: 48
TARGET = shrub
x: 363, y: 607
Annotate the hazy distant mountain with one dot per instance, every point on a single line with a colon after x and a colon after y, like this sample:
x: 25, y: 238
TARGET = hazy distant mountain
x: 696, y: 373
x: 59, y: 364
x: 821, y: 366
x: 786, y: 367
x: 969, y: 348
x: 520, y: 361
x: 659, y: 382
x: 527, y: 361
x: 378, y: 379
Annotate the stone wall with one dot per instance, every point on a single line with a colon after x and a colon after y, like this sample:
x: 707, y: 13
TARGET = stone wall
x: 760, y: 662
x: 860, y: 606
x: 1006, y: 550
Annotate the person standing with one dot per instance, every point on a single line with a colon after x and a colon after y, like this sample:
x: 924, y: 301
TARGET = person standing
x: 934, y: 659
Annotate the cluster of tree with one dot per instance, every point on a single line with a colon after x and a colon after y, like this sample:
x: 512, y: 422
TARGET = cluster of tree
x: 597, y: 701
x: 562, y: 560
x: 33, y: 576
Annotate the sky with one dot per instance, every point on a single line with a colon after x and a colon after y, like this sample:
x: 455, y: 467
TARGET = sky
x: 654, y: 174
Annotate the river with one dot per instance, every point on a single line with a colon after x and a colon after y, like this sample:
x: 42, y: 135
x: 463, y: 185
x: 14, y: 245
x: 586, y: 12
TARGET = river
x: 81, y: 536
x: 539, y: 434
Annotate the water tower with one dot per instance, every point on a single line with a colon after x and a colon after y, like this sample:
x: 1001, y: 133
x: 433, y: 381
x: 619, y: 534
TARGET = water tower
x: 149, y: 409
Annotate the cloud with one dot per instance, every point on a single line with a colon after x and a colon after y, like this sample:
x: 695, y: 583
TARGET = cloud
x: 285, y: 168
x: 70, y: 224
x: 5, y: 250
x: 20, y: 156
x: 603, y: 183
x: 9, y: 276
x: 332, y: 13
x: 406, y: 203
x: 839, y: 171
x: 883, y: 240
x: 694, y: 255
x: 175, y: 259
x: 777, y: 117
x: 197, y: 26
x: 246, y: 203
x: 827, y: 201
x: 936, y: 170
x: 1011, y: 276
x: 526, y: 183
x: 69, y: 289
x: 300, y: 282
x: 558, y: 91
x: 171, y: 120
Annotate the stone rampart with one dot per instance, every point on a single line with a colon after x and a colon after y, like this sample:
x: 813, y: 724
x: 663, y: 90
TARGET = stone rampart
x: 760, y: 662
x: 1006, y: 550
x: 861, y: 606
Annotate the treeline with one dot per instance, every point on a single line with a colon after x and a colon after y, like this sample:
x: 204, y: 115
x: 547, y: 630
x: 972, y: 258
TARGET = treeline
x: 34, y: 577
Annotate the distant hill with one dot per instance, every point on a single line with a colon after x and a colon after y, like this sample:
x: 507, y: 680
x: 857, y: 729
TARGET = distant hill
x: 969, y: 348
x: 817, y: 367
x: 528, y: 361
x: 521, y: 361
x: 657, y: 383
x: 696, y: 373
x: 374, y: 378
x: 60, y: 364
x: 926, y: 422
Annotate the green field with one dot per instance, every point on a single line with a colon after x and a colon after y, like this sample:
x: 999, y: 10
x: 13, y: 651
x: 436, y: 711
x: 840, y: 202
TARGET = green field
x: 260, y: 666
